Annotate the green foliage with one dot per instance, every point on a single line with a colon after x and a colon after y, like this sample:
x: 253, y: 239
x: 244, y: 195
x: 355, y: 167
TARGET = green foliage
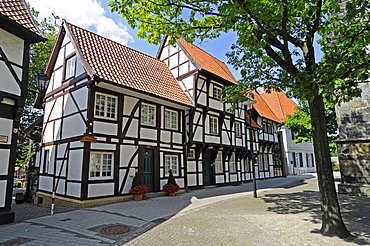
x: 300, y: 124
x: 171, y: 179
x: 136, y: 181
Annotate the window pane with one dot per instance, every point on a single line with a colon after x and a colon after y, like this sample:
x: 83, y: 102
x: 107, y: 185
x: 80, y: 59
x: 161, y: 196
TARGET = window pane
x: 218, y: 163
x: 70, y: 67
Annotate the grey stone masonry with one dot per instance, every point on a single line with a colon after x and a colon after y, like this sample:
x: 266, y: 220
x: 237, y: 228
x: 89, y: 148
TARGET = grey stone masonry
x: 354, y: 141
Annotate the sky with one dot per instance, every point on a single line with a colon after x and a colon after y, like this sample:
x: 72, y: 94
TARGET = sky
x: 95, y: 15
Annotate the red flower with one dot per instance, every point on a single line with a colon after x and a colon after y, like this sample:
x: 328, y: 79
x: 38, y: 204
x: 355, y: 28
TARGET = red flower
x: 140, y: 189
x: 171, y: 188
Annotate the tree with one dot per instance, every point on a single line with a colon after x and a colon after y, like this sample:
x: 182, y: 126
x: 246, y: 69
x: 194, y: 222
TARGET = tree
x: 276, y: 48
x: 300, y: 124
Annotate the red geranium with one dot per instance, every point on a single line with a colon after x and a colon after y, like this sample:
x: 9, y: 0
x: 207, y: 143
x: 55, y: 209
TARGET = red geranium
x: 171, y: 188
x: 140, y: 189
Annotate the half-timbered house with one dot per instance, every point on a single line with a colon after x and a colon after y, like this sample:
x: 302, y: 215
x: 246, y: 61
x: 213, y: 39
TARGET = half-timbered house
x: 110, y: 111
x: 17, y: 32
x: 218, y: 141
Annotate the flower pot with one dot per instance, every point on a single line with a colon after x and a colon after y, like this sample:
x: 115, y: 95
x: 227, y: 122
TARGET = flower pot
x: 171, y: 193
x: 138, y: 197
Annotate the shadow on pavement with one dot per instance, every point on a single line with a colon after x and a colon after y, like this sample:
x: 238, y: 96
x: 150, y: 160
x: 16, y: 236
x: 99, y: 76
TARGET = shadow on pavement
x: 355, y: 210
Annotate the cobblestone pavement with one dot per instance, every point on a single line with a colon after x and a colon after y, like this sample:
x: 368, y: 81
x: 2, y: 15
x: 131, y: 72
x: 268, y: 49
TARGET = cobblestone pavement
x: 221, y: 216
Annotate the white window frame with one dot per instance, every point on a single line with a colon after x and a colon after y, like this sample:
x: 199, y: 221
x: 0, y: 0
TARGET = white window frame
x: 70, y: 69
x: 98, y: 168
x: 46, y: 160
x: 216, y: 92
x: 171, y: 119
x: 171, y: 162
x: 148, y: 114
x: 213, y: 125
x: 238, y: 132
x: 218, y: 163
x: 266, y: 158
x: 246, y: 164
x: 108, y: 105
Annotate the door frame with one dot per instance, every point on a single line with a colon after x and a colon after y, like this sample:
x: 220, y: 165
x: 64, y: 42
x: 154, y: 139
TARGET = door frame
x: 155, y: 165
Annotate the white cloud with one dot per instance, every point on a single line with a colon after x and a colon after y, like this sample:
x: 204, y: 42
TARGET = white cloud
x: 88, y: 14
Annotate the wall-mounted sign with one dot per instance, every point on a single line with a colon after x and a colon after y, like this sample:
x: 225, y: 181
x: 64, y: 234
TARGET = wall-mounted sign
x: 3, y: 139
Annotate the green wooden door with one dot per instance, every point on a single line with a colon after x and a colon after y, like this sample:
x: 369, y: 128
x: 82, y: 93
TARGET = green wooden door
x: 148, y: 168
x: 207, y: 169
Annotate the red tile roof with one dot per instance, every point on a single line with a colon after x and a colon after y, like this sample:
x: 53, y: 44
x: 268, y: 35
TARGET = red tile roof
x: 117, y: 63
x: 208, y: 62
x: 263, y: 108
x: 17, y: 10
x: 280, y: 104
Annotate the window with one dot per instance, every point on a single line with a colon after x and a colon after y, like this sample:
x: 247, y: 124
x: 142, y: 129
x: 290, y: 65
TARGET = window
x: 171, y: 162
x: 266, y: 161
x: 148, y: 114
x: 232, y: 163
x: 213, y: 124
x: 238, y: 129
x: 260, y: 162
x: 313, y: 160
x: 294, y: 159
x: 105, y: 106
x: 70, y: 68
x: 46, y: 160
x: 217, y: 92
x: 101, y: 165
x: 246, y: 164
x: 171, y: 119
x: 218, y: 163
x: 309, y: 159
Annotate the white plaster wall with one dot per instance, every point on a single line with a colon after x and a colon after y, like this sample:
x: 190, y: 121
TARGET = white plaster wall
x: 200, y: 176
x: 57, y: 110
x: 148, y: 134
x: 198, y: 134
x: 202, y: 99
x: 105, y: 189
x: 62, y: 150
x: 105, y: 128
x: 46, y: 183
x: 75, y: 164
x: 184, y: 68
x: 126, y: 152
x: 183, y: 57
x: 57, y: 80
x: 73, y: 189
x: 48, y: 132
x: 133, y: 128
x: 165, y: 136
x: 2, y: 192
x: 177, y: 137
x: 12, y: 46
x: 220, y: 179
x: 192, y: 179
x: 57, y: 129
x: 7, y: 82
x: 61, y: 168
x: 6, y: 127
x: 173, y: 61
x: 61, y: 186
x: 191, y: 166
x: 69, y: 49
x: 129, y: 104
x: 73, y: 126
x: 103, y: 146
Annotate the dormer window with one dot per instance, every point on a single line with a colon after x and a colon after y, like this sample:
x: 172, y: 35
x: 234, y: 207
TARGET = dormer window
x: 70, y: 67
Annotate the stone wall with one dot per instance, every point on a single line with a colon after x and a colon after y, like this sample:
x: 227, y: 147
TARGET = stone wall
x: 354, y: 138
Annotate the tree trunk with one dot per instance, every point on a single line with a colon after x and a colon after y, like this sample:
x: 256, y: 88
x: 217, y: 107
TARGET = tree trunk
x: 332, y: 223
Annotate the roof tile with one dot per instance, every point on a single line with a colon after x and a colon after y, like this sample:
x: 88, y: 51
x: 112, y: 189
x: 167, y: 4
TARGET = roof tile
x: 117, y: 63
x: 280, y: 104
x: 17, y: 10
x: 208, y: 62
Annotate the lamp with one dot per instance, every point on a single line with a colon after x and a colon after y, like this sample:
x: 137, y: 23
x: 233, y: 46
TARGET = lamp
x: 249, y: 104
x: 42, y: 82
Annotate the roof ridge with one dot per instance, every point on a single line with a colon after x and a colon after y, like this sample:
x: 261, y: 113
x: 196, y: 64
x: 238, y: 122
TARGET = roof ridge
x: 110, y: 40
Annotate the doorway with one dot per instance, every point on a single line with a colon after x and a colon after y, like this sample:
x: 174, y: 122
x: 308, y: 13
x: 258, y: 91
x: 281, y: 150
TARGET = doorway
x: 147, y: 170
